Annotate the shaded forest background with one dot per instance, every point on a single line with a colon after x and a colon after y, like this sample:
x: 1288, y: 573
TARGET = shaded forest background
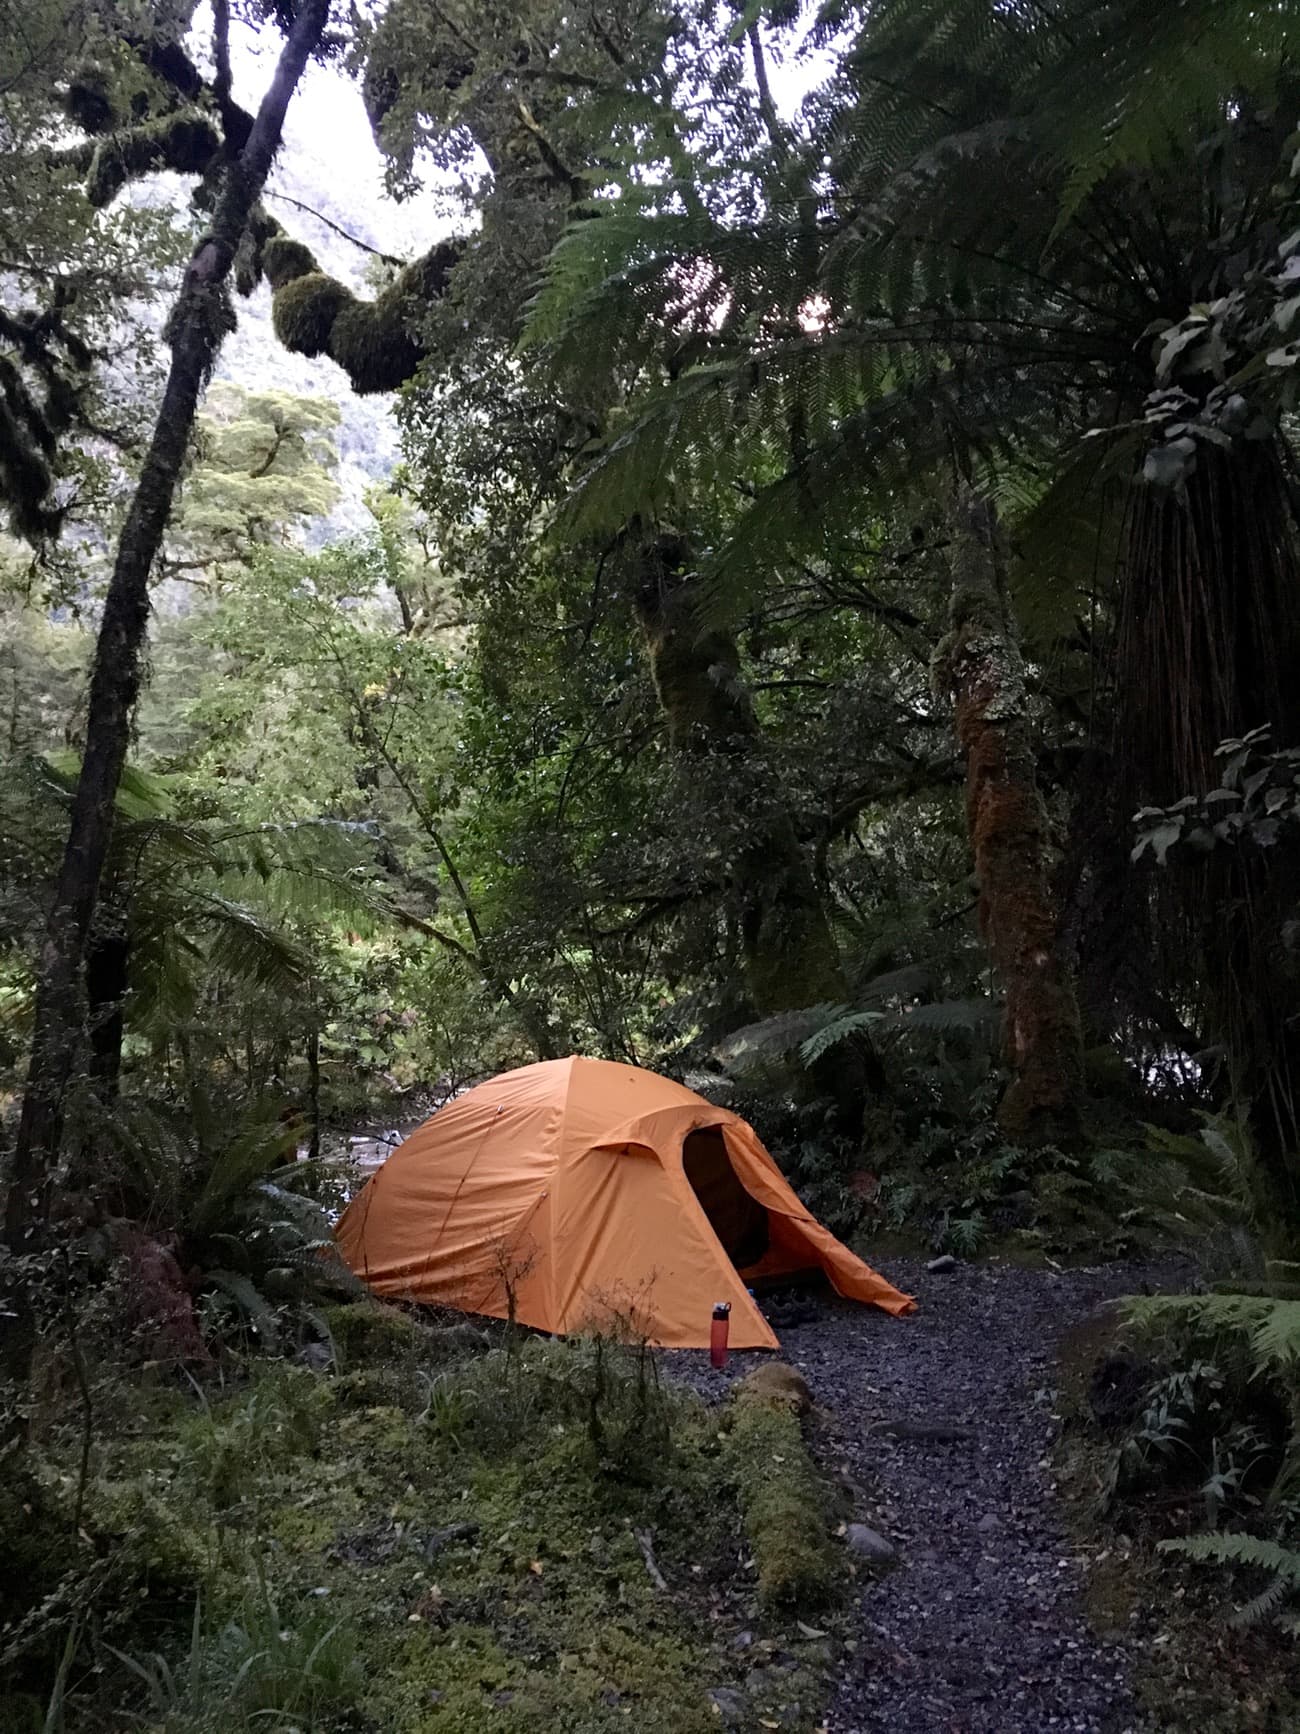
x: 796, y: 592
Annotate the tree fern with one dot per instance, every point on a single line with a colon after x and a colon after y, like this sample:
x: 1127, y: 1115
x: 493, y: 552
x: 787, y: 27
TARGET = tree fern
x: 1269, y: 1328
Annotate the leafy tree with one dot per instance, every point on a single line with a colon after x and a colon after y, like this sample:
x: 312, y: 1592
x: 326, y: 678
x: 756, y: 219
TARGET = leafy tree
x: 198, y: 324
x: 987, y: 285
x: 262, y: 469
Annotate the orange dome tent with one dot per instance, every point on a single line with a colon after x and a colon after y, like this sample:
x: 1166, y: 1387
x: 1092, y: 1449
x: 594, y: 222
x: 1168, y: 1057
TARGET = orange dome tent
x: 584, y: 1194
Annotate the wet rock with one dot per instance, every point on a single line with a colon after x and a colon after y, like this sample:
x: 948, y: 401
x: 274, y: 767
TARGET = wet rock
x: 868, y: 1543
x: 439, y: 1538
x: 989, y: 1524
x: 730, y: 1705
x: 942, y: 1432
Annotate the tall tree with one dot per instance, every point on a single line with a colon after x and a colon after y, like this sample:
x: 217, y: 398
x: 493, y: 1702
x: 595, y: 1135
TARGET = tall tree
x: 200, y: 320
x: 1014, y: 226
x: 980, y: 665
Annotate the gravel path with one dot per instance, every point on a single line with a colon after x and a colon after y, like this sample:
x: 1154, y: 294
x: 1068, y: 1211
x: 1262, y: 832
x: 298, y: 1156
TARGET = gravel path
x: 978, y: 1629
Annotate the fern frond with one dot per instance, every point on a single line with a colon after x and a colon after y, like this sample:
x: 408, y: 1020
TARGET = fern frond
x: 243, y: 947
x: 773, y: 1039
x: 840, y: 1029
x: 1270, y: 1327
x: 250, y: 1301
x: 911, y: 981
x: 945, y: 1017
x: 261, y: 1145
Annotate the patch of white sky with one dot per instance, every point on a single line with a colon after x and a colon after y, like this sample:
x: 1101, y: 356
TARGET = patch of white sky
x: 329, y: 146
x: 331, y: 165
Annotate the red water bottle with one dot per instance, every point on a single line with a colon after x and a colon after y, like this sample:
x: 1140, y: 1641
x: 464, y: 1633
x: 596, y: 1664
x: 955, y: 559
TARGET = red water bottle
x: 718, y: 1334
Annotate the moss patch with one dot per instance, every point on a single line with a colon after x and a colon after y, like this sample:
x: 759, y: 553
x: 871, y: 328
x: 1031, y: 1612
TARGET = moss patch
x: 784, y: 1503
x: 304, y: 310
x: 494, y: 1545
x: 371, y: 341
x: 368, y: 1331
x: 185, y: 143
x: 283, y: 259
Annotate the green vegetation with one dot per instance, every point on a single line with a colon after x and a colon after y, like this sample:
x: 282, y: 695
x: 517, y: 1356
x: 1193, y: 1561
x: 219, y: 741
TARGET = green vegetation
x: 783, y: 1500
x: 830, y: 637
x: 539, y: 1536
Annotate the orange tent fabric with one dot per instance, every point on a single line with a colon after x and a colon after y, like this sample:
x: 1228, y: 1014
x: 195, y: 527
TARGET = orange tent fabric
x: 559, y: 1192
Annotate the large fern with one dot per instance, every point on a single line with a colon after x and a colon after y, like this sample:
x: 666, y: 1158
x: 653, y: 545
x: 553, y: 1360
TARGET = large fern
x: 988, y: 262
x: 1246, y: 1550
x: 1269, y: 1328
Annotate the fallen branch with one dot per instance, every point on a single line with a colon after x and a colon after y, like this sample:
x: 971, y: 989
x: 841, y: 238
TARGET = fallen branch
x: 657, y: 1578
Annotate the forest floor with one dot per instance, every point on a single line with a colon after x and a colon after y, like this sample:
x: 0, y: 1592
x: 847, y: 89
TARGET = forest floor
x: 485, y: 1531
x: 982, y: 1625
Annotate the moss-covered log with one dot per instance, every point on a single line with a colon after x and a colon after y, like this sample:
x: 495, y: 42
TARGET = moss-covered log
x: 783, y: 1499
x: 980, y: 666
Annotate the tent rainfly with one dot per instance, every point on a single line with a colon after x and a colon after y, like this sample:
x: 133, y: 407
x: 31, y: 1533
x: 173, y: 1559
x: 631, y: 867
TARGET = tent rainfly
x: 581, y: 1194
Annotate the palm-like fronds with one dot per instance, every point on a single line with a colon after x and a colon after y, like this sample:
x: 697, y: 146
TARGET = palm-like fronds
x: 261, y: 1144
x: 1246, y: 1550
x: 993, y: 241
x: 1270, y: 1327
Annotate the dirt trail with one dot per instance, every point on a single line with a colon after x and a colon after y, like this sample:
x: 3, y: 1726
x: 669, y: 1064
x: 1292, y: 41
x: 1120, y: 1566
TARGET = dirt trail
x: 978, y: 1629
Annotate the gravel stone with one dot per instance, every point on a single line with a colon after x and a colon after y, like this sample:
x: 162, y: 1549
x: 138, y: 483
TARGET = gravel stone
x: 731, y: 1706
x: 869, y: 1544
x: 979, y: 1628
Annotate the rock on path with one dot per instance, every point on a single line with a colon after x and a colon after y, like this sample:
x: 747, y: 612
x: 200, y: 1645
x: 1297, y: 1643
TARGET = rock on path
x: 978, y: 1629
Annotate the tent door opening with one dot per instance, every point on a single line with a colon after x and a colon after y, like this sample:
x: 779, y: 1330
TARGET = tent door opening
x: 737, y: 1218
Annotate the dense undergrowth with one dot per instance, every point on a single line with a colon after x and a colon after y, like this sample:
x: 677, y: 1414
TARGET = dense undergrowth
x: 432, y: 1533
x: 1181, y: 1457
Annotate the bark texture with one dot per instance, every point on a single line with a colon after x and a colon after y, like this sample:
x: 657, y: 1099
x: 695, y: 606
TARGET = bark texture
x: 980, y: 666
x: 1208, y: 639
x: 790, y: 955
x: 199, y: 321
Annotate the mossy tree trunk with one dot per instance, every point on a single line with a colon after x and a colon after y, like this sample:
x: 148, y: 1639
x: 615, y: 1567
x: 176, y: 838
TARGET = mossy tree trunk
x: 789, y: 951
x: 107, y: 965
x: 199, y: 321
x: 980, y: 665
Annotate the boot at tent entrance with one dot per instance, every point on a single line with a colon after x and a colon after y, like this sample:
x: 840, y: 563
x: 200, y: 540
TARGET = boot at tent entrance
x: 583, y: 1194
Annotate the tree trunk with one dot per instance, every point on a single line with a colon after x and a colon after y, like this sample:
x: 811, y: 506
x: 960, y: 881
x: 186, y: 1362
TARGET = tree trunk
x: 980, y: 666
x: 1207, y: 641
x: 789, y: 952
x: 200, y: 320
x: 107, y: 964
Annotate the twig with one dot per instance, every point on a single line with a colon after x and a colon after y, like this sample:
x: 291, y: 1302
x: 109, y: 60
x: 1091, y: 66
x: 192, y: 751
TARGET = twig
x: 311, y: 211
x: 657, y: 1578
